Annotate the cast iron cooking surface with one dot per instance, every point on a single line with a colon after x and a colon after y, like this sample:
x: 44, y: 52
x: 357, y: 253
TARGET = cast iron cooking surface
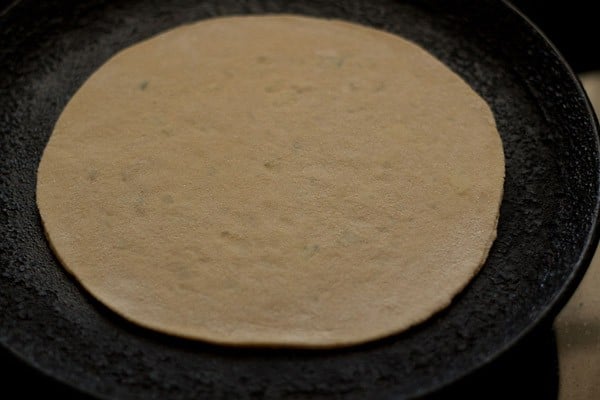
x: 546, y: 231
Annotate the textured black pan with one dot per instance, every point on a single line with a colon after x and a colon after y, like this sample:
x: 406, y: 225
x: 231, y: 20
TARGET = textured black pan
x: 546, y: 230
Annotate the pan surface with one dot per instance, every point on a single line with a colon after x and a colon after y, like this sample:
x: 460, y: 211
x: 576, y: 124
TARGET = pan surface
x: 546, y: 232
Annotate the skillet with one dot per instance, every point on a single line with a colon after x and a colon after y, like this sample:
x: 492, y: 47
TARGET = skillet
x: 546, y: 235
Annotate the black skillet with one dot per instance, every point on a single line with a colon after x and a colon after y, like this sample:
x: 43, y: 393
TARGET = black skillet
x: 546, y: 235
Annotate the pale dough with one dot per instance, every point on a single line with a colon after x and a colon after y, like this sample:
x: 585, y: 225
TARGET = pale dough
x: 273, y: 180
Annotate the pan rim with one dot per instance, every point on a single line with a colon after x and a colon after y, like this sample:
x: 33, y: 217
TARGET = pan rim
x: 546, y: 317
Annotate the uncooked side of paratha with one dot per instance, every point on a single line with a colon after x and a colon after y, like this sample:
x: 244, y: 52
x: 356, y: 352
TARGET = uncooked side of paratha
x: 273, y: 181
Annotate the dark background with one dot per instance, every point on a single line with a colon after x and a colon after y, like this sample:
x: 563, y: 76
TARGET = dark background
x: 528, y: 371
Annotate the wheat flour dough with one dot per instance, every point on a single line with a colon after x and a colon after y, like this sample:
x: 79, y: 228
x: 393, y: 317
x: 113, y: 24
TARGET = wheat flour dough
x: 273, y: 181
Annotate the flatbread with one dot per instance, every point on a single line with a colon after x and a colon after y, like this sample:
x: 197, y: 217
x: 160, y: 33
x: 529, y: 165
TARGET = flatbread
x: 273, y: 180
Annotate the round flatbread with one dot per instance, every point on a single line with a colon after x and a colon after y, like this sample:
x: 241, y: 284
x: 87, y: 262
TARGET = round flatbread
x: 273, y: 180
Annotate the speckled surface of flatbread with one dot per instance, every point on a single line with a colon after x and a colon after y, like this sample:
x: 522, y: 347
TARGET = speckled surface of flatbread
x: 273, y: 180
